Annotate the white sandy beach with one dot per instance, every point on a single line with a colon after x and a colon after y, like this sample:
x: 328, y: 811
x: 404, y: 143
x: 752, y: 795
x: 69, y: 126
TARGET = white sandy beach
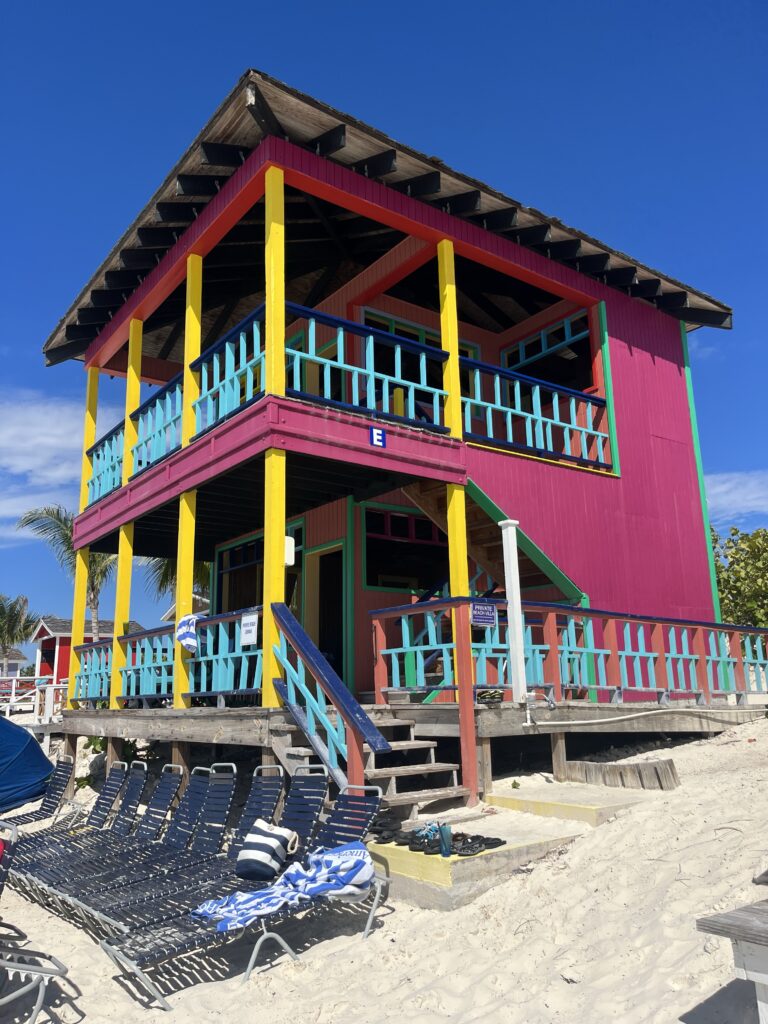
x: 603, y: 931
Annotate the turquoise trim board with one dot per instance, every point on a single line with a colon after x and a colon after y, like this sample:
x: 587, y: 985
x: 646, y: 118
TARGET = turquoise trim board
x: 605, y: 354
x: 700, y: 472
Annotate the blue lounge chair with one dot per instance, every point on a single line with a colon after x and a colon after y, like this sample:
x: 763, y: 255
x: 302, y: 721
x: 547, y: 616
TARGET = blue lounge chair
x: 144, y: 949
x: 163, y: 899
x: 33, y: 969
x: 54, y: 794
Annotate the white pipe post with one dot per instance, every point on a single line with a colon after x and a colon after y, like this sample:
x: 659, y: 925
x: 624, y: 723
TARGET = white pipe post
x: 515, y: 635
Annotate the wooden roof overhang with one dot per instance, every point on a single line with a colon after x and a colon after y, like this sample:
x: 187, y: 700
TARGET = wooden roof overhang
x: 332, y: 243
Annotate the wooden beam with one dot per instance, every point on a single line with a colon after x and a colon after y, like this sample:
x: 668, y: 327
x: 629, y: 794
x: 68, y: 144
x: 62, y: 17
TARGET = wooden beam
x: 620, y: 277
x: 536, y: 234
x: 559, y: 760
x: 178, y: 213
x: 422, y: 185
x: 460, y: 203
x: 377, y: 164
x: 199, y: 184
x: 648, y: 288
x: 329, y: 142
x: 159, y: 237
x: 94, y: 315
x: 123, y: 279
x: 106, y: 297
x: 262, y: 113
x: 223, y: 154
x: 591, y: 263
x: 497, y: 220
x: 141, y: 259
x: 567, y: 249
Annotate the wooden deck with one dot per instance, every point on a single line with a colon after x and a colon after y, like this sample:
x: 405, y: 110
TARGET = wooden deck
x: 252, y: 726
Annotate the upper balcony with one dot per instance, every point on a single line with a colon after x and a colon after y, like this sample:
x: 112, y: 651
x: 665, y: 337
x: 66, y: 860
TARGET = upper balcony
x: 371, y: 369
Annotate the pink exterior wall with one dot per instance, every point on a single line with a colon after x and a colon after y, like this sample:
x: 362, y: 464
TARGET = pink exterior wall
x: 634, y: 543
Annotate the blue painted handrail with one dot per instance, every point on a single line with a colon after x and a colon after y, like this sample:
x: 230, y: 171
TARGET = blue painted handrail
x: 334, y: 689
x: 475, y: 364
x: 231, y: 334
x: 177, y: 379
x: 361, y: 331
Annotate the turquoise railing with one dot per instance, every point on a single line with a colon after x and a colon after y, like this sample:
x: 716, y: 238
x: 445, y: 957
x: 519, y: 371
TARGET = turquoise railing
x: 552, y: 338
x: 148, y: 672
x: 106, y: 464
x: 334, y: 723
x: 231, y: 372
x: 223, y: 665
x: 92, y: 681
x: 158, y: 425
x: 524, y: 413
x: 574, y: 649
x: 346, y: 364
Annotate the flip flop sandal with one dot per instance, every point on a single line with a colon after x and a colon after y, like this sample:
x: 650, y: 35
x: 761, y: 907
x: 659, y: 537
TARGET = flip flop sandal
x: 432, y: 848
x: 493, y: 843
x: 385, y: 837
x: 470, y: 849
x: 403, y: 838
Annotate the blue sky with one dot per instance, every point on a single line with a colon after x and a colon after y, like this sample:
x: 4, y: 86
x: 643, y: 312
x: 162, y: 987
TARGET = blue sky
x: 641, y: 125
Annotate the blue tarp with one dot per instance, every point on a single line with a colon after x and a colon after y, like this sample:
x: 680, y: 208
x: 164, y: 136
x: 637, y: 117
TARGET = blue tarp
x: 24, y: 768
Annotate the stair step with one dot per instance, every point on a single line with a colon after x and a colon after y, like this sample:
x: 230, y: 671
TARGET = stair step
x: 391, y: 723
x: 408, y: 745
x: 426, y: 796
x: 299, y: 751
x: 411, y: 769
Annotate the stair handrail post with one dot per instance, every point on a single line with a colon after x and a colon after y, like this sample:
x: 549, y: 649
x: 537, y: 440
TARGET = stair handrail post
x: 736, y: 650
x: 380, y: 674
x: 515, y: 625
x: 551, y: 666
x: 700, y: 650
x: 466, y: 696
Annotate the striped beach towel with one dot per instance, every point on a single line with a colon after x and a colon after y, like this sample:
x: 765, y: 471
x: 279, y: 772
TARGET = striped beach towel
x: 186, y: 632
x: 343, y: 871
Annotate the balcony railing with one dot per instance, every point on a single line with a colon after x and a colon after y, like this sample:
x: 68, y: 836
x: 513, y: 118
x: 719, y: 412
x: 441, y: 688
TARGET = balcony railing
x: 552, y: 338
x: 353, y: 366
x: 92, y: 681
x: 570, y: 651
x: 231, y: 372
x: 524, y: 413
x: 366, y: 370
x: 158, y: 425
x: 107, y: 464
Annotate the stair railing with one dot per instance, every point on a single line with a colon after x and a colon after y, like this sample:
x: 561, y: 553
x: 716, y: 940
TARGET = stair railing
x: 335, y: 724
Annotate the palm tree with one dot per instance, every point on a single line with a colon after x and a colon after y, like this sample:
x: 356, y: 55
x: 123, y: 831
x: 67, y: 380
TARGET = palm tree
x: 16, y: 626
x: 53, y: 523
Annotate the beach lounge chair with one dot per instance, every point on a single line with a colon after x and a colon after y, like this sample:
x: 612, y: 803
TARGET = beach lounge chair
x: 54, y: 794
x: 34, y: 970
x: 165, y: 898
x: 175, y: 852
x: 349, y: 821
x: 29, y: 846
x: 119, y: 839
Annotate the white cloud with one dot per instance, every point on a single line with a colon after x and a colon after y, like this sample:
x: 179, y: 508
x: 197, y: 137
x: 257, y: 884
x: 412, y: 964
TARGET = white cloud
x: 735, y: 497
x: 40, y: 452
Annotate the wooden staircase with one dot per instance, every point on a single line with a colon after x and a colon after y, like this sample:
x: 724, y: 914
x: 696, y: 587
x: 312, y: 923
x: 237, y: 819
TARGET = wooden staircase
x: 409, y: 775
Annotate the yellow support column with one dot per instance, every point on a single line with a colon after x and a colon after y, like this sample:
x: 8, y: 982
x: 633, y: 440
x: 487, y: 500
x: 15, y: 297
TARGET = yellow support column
x: 122, y: 611
x: 79, y: 605
x: 89, y: 431
x: 274, y: 267
x: 449, y: 336
x: 80, y: 595
x: 274, y: 568
x: 458, y: 566
x: 185, y: 579
x: 132, y: 396
x: 192, y: 341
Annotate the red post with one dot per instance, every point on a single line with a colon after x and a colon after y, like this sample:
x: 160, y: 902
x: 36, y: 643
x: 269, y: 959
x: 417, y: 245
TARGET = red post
x: 612, y: 663
x: 355, y: 762
x: 700, y: 650
x: 658, y: 648
x: 552, y: 655
x: 380, y: 674
x: 466, y: 696
x: 736, y: 652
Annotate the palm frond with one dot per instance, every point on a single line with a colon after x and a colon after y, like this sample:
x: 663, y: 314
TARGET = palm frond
x: 53, y: 524
x: 161, y: 577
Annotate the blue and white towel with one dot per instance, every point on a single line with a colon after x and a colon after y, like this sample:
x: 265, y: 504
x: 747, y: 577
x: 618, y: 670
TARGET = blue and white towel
x: 186, y: 632
x: 343, y: 871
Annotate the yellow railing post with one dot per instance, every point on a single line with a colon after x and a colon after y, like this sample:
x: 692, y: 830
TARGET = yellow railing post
x: 274, y: 568
x: 80, y: 594
x: 89, y: 431
x: 132, y: 396
x: 122, y: 611
x: 79, y: 605
x: 192, y: 342
x: 449, y: 336
x: 274, y: 269
x: 185, y: 580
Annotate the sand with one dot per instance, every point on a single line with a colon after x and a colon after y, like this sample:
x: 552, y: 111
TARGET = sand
x: 603, y: 931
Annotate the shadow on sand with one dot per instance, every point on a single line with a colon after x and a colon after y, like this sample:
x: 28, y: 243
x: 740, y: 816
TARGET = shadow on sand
x: 734, y: 1003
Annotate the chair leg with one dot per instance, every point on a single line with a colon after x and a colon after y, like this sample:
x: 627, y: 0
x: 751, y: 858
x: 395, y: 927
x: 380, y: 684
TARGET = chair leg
x: 262, y: 939
x: 126, y: 966
x: 378, y: 886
